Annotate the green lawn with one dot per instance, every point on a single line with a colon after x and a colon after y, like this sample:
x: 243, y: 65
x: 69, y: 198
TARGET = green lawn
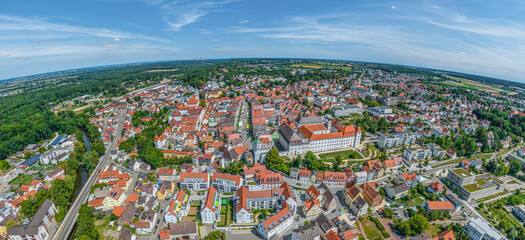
x: 492, y: 196
x: 415, y: 202
x: 495, y: 215
x: 347, y: 154
x: 371, y: 230
x: 223, y: 221
x: 458, y: 160
x: 21, y: 180
x: 434, y: 230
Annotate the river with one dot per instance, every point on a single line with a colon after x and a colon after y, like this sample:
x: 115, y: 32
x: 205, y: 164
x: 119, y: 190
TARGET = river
x: 82, y: 177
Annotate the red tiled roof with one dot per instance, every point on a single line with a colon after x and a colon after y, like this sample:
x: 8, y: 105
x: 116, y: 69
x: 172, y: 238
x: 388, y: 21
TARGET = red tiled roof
x: 96, y: 202
x: 117, y: 210
x: 440, y: 205
x: 164, y: 234
x: 236, y: 178
x: 209, y: 199
x: 445, y: 235
x: 203, y: 176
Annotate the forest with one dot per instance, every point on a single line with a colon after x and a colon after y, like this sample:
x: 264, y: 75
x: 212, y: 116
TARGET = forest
x: 26, y: 118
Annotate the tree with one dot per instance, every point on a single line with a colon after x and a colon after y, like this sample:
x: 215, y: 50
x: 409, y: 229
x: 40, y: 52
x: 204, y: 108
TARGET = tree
x: 215, y: 235
x: 10, y: 224
x: 98, y: 147
x: 4, y: 165
x: 312, y: 162
x: 153, y: 156
x: 404, y: 228
x: 515, y: 167
x: 273, y: 160
x: 491, y: 166
x: 481, y: 205
x: 297, y: 161
x: 415, y: 225
x: 388, y: 213
x: 419, y: 223
x: 86, y: 222
x: 90, y: 160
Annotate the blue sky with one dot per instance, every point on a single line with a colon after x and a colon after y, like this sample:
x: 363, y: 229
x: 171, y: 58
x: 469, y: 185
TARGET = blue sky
x: 480, y: 37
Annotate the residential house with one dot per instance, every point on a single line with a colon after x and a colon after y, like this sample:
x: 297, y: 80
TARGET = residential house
x: 166, y: 174
x: 311, y: 207
x: 305, y: 175
x: 445, y: 235
x: 39, y: 226
x: 194, y: 181
x: 211, y: 206
x: 226, y: 182
x: 184, y: 230
x: 359, y: 206
x: 397, y: 191
x: 277, y: 223
x: 438, y: 206
x: 247, y: 200
x: 178, y: 207
x: 409, y: 178
x: 436, y: 188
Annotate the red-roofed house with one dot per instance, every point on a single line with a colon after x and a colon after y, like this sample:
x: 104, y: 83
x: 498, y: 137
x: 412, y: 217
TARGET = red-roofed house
x: 436, y: 188
x: 311, y: 207
x: 409, y: 178
x: 445, y: 235
x: 438, y: 206
x: 226, y: 182
x: 178, y: 208
x: 276, y: 223
x: 211, y: 207
x: 194, y: 181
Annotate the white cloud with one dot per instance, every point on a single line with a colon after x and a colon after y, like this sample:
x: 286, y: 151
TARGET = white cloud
x: 496, y: 51
x: 181, y: 13
x: 393, y: 7
x: 39, y: 37
x: 244, y: 21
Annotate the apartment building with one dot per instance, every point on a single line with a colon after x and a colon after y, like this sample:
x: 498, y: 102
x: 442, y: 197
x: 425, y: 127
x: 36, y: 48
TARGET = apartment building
x: 194, y: 181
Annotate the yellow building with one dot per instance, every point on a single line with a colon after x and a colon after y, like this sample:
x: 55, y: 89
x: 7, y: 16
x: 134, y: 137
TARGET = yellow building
x: 311, y: 208
x: 213, y: 94
x: 166, y: 190
x: 350, y: 194
x: 176, y: 154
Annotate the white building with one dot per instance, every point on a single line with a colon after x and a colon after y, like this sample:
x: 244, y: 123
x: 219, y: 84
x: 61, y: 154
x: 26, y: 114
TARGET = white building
x: 380, y: 111
x: 331, y: 135
x: 226, y: 182
x: 178, y: 208
x: 37, y: 229
x: 416, y: 154
x: 246, y: 201
x: 194, y: 181
x: 395, y: 140
x: 480, y: 230
x: 211, y: 207
x: 277, y: 223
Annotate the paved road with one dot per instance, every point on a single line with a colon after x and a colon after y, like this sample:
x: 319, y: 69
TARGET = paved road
x: 69, y: 221
x: 67, y: 225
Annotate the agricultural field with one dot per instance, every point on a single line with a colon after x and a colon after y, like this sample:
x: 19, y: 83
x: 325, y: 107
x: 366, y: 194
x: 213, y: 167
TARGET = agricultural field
x: 325, y: 66
x: 469, y: 84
